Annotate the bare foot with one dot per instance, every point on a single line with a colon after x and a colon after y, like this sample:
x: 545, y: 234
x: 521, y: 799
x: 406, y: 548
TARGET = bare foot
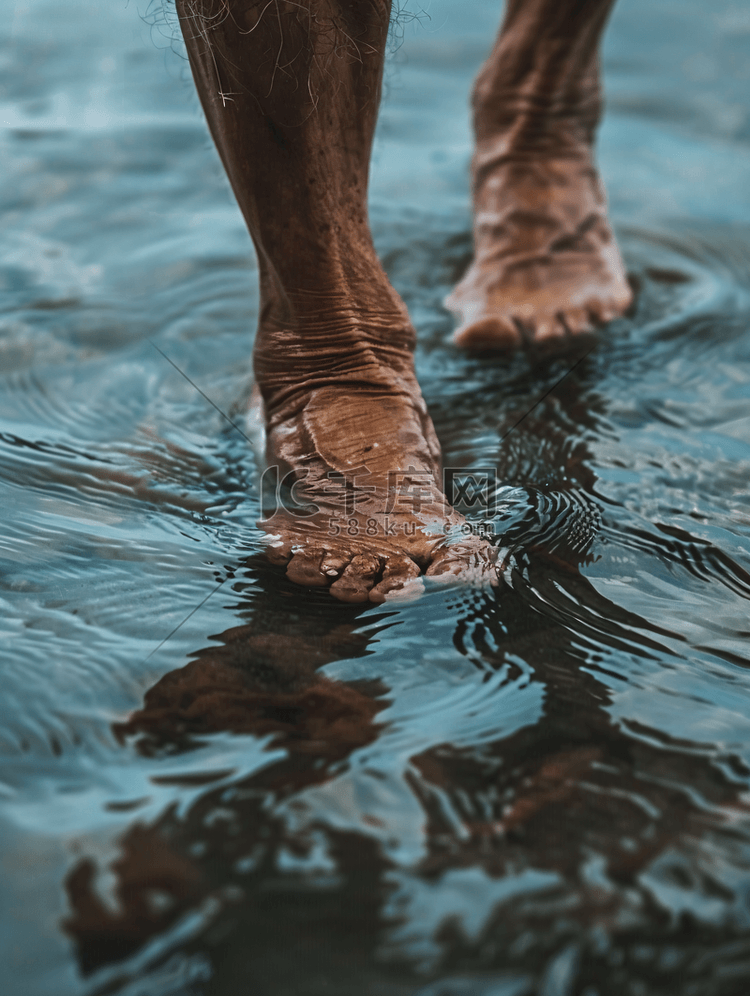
x: 355, y: 437
x: 547, y: 268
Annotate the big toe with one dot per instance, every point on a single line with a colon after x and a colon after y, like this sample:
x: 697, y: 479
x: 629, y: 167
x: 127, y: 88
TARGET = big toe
x: 305, y: 568
x: 492, y: 332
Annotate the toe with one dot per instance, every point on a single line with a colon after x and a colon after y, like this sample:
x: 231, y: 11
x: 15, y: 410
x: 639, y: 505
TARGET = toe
x: 496, y: 332
x: 624, y: 297
x: 305, y: 568
x: 601, y: 312
x: 400, y: 581
x: 549, y: 330
x: 355, y: 583
x: 278, y: 548
x: 606, y: 309
x: 577, y: 321
x: 333, y: 564
x: 604, y: 314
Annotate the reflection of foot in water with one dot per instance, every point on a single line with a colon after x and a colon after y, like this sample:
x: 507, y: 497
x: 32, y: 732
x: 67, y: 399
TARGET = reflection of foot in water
x: 282, y: 880
x: 263, y: 680
x: 546, y: 264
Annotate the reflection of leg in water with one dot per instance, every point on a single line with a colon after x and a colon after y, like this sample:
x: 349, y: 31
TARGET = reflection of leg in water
x: 287, y: 869
x: 291, y: 94
x: 631, y: 831
x: 546, y: 264
x: 263, y: 680
x: 154, y: 884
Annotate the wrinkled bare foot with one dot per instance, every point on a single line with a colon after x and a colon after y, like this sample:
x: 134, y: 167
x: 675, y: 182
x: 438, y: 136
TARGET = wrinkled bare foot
x: 291, y: 100
x: 358, y: 446
x: 546, y: 266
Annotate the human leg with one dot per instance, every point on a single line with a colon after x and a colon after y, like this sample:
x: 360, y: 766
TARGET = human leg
x: 291, y: 93
x: 546, y: 266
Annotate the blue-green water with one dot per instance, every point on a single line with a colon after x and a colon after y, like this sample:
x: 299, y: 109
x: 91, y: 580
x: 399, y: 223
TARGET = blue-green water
x: 539, y: 791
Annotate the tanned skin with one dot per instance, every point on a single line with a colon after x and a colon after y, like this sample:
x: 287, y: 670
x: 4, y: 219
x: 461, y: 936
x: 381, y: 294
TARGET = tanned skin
x: 291, y: 93
x: 546, y: 265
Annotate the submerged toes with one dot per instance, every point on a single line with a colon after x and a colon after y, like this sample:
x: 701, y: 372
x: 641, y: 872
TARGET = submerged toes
x: 358, y: 578
x: 400, y: 580
x: 363, y: 576
x: 333, y: 564
x: 305, y: 568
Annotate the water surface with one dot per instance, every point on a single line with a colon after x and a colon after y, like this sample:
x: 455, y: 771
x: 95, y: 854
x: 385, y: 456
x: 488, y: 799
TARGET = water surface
x: 214, y: 781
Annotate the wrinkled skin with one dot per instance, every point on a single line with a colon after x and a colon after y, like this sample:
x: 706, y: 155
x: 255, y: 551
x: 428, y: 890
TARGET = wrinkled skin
x: 546, y: 267
x: 291, y: 93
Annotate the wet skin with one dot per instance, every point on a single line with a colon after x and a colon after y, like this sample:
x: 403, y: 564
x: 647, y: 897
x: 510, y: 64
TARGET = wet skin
x: 546, y: 266
x: 291, y: 94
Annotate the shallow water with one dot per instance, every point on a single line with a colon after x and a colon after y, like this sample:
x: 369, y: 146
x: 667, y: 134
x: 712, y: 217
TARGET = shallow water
x: 538, y: 791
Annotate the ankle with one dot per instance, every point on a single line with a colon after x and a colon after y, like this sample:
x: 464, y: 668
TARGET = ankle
x: 326, y: 344
x: 336, y: 282
x: 536, y: 117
